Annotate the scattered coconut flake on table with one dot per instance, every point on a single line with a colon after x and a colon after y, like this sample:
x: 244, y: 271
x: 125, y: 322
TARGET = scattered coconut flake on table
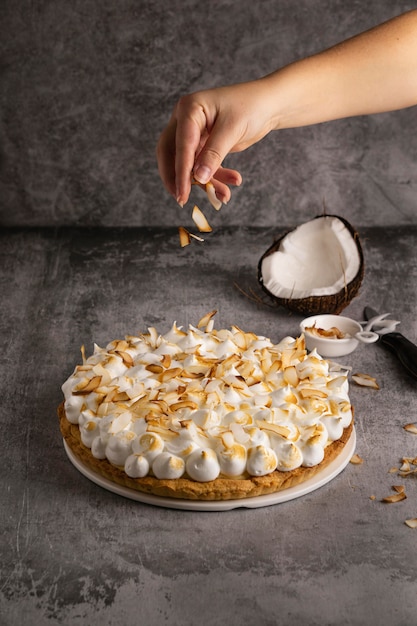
x: 356, y: 460
x: 364, y: 380
x: 411, y: 428
x: 406, y: 468
x: 412, y: 523
x: 396, y: 497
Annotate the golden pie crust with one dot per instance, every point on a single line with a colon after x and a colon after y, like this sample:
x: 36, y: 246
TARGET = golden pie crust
x: 220, y: 489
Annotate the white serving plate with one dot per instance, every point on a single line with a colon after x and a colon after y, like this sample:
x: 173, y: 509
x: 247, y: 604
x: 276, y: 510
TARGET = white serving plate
x: 323, y: 477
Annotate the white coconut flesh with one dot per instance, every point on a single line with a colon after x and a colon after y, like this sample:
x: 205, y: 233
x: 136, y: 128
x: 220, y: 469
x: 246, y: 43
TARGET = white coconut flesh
x: 318, y: 258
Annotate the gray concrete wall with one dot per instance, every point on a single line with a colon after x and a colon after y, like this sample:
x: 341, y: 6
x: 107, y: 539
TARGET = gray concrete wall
x: 87, y: 86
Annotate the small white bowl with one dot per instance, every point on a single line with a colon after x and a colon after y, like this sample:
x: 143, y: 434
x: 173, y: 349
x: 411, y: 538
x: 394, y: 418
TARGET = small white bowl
x: 331, y: 346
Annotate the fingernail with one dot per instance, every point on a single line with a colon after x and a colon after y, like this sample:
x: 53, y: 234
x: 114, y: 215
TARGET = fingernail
x: 179, y: 200
x: 202, y: 174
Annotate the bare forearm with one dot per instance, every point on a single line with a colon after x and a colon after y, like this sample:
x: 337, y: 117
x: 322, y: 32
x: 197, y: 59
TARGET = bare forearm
x: 373, y: 72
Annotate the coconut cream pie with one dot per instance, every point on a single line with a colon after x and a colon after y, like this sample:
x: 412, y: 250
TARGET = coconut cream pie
x: 205, y: 414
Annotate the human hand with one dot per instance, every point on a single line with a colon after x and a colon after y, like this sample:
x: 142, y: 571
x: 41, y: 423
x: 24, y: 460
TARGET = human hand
x: 203, y: 129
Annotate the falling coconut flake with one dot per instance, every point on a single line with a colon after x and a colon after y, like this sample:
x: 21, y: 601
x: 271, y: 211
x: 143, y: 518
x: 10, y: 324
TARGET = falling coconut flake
x: 200, y: 220
x: 198, y: 216
x: 186, y: 236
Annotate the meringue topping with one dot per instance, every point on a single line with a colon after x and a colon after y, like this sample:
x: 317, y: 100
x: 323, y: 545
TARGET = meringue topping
x: 201, y: 403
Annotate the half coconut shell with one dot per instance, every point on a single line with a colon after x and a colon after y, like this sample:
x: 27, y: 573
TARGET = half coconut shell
x: 317, y: 267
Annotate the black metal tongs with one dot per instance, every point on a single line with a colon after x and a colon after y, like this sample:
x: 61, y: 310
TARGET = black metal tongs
x: 405, y: 349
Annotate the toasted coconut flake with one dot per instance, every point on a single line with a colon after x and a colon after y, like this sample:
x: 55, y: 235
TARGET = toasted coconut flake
x: 165, y: 433
x: 81, y: 385
x: 396, y: 497
x: 184, y: 404
x: 185, y: 239
x: 111, y: 394
x: 200, y: 220
x: 121, y: 396
x: 164, y: 406
x: 290, y: 374
x: 239, y: 337
x: 211, y: 194
x: 206, y: 318
x: 186, y: 236
x: 330, y: 333
x: 409, y: 473
x: 153, y: 339
x: 171, y: 373
x: 372, y: 497
x: 155, y: 368
x: 411, y: 428
x: 86, y: 386
x: 119, y: 345
x: 196, y: 237
x: 191, y: 375
x: 312, y: 393
x: 335, y: 383
x: 228, y: 439
x: 166, y: 361
x: 356, y: 460
x: 103, y: 409
x: 126, y: 357
x: 405, y: 466
x: 412, y: 523
x: 236, y: 383
x: 276, y: 366
x: 399, y: 488
x: 282, y: 431
x: 406, y: 463
x: 364, y: 380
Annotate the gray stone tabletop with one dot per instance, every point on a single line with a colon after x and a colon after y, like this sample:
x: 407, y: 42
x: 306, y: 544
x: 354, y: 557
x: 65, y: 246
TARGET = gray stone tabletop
x: 75, y: 553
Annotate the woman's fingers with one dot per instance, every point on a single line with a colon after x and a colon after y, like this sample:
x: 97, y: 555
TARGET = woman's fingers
x: 204, y: 128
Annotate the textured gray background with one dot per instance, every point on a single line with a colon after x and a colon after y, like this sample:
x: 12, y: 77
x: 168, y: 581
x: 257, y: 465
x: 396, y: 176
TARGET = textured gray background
x: 86, y: 88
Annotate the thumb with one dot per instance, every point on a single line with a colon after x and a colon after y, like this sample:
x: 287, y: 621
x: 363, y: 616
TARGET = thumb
x: 208, y: 163
x: 216, y: 148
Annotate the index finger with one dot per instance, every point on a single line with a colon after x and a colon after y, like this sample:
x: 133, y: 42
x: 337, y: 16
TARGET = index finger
x: 165, y: 152
x: 190, y: 130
